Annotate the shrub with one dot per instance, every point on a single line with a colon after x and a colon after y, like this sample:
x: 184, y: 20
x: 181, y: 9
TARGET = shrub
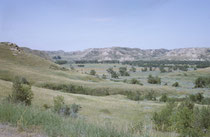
x: 164, y: 98
x: 46, y: 106
x: 162, y: 69
x: 150, y: 96
x: 162, y: 119
x: 202, y: 82
x: 92, y: 72
x: 176, y: 84
x: 78, y: 89
x: 185, y: 119
x: 144, y: 69
x: 112, y: 72
x: 134, y: 95
x: 81, y: 66
x: 57, y: 57
x: 61, y: 62
x: 206, y: 101
x: 21, y: 92
x: 153, y: 80
x: 135, y: 81
x: 74, y: 109
x: 61, y: 108
x: 58, y: 103
x: 150, y: 68
x: 123, y: 71
x: 196, y: 98
x: 104, y: 76
x: 133, y: 69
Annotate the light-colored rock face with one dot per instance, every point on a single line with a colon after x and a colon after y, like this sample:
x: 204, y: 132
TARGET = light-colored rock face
x: 131, y: 54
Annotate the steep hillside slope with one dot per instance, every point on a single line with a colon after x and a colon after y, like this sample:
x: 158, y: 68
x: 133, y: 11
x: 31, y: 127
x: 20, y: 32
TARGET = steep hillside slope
x: 15, y: 61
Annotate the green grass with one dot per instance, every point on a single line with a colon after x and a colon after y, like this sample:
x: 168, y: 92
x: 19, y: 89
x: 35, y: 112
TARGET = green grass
x: 116, y: 109
x: 53, y: 124
x: 37, y: 71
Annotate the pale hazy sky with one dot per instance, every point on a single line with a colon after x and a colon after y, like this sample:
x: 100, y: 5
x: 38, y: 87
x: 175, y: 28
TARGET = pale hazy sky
x: 79, y: 24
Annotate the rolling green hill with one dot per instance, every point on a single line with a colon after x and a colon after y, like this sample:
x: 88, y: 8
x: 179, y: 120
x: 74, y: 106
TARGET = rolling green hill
x: 109, y: 105
x: 39, y: 71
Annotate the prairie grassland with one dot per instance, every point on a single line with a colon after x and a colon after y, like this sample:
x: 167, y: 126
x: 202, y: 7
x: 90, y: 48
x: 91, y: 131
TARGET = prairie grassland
x: 38, y: 72
x: 116, y: 110
x: 185, y: 79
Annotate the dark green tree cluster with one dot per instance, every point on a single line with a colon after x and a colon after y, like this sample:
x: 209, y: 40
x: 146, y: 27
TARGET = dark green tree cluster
x: 168, y: 63
x: 97, y: 62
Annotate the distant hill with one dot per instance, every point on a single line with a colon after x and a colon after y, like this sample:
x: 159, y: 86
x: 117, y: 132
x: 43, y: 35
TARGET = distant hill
x: 39, y: 53
x: 132, y: 54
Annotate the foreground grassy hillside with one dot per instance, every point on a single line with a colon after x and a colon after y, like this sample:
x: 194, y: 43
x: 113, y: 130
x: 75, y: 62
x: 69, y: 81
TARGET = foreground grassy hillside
x: 120, y: 112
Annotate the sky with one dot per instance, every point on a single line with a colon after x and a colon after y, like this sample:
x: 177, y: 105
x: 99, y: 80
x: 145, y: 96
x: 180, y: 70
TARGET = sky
x: 72, y: 25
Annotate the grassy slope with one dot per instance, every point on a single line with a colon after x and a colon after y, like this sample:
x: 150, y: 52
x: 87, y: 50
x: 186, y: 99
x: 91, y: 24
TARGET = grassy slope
x: 37, y: 71
x: 115, y: 109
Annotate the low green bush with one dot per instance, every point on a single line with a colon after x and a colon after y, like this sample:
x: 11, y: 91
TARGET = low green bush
x: 135, y: 81
x: 104, y: 76
x: 202, y: 82
x: 164, y: 98
x: 58, y: 103
x: 153, y: 80
x: 196, y: 97
x: 21, y: 92
x: 77, y: 89
x: 66, y: 110
x: 61, y: 62
x: 134, y: 95
x: 93, y: 72
x: 162, y: 119
x: 123, y: 71
x: 150, y: 95
x: 176, y: 84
